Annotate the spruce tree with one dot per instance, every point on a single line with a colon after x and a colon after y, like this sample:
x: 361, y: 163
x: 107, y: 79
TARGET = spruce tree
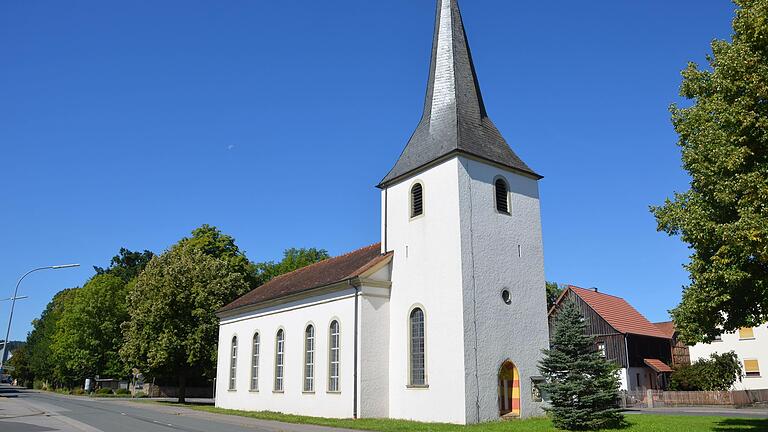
x: 582, y: 384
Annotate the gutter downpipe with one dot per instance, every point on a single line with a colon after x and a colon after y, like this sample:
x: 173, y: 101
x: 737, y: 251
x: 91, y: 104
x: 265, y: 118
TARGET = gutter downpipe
x: 354, y: 397
x: 386, y: 208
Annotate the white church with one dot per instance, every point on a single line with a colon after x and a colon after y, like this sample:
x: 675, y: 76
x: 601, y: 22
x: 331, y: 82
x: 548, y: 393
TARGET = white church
x: 445, y: 319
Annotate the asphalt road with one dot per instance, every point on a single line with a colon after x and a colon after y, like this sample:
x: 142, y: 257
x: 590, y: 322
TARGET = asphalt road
x: 32, y: 411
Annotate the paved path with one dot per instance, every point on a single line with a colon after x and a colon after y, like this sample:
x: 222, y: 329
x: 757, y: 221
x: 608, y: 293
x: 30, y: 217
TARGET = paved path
x: 34, y: 411
x: 705, y: 411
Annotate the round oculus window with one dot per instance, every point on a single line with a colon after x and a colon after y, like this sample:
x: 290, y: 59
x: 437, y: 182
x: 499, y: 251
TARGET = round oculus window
x: 506, y: 296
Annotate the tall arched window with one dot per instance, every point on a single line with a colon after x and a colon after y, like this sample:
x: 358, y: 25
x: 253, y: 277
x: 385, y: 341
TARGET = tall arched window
x: 418, y: 375
x: 233, y: 364
x: 309, y: 359
x: 255, y: 363
x: 334, y: 356
x: 502, y: 195
x: 279, y: 360
x: 417, y: 200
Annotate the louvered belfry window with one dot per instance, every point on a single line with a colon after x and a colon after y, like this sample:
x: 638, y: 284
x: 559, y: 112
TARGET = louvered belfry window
x: 417, y: 200
x: 502, y: 196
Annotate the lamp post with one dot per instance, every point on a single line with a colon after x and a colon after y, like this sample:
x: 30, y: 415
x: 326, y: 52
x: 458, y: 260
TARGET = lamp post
x: 16, y: 297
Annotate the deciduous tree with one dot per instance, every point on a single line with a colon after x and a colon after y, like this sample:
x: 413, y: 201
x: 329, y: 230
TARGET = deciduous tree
x: 88, y: 335
x: 173, y: 328
x: 724, y: 216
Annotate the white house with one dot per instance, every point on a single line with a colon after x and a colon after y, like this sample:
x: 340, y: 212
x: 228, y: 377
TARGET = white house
x: 445, y: 319
x: 751, y: 345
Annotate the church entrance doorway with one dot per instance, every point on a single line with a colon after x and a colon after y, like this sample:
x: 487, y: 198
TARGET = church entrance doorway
x: 509, y: 391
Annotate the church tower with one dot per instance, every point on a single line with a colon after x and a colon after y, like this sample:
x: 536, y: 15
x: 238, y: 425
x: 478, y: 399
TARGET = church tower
x: 460, y: 211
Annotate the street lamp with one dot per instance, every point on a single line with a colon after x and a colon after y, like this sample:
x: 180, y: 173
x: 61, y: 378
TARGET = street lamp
x: 16, y: 297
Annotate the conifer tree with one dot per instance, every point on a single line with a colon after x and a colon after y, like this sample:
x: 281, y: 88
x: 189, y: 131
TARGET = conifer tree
x: 582, y: 384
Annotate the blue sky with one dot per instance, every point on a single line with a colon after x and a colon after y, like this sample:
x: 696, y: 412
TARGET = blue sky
x: 131, y: 123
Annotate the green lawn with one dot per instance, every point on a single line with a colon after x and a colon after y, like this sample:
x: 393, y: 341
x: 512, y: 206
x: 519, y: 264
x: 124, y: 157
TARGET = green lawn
x: 637, y: 423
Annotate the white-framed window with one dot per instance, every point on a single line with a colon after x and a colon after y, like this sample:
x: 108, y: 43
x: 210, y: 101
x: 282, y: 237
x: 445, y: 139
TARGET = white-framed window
x: 416, y: 349
x: 309, y: 359
x: 746, y: 333
x: 334, y: 356
x: 751, y: 368
x: 417, y: 200
x: 233, y: 364
x: 279, y: 360
x: 601, y: 349
x: 501, y: 189
x: 256, y: 347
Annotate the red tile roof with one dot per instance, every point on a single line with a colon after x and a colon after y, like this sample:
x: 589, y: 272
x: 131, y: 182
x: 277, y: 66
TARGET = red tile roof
x: 667, y: 327
x: 323, y: 273
x: 618, y: 313
x: 657, y: 365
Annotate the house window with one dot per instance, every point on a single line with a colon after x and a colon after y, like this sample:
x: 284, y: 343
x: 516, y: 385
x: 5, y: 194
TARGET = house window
x: 255, y: 363
x: 417, y: 200
x: 502, y: 195
x: 279, y: 360
x: 334, y: 356
x: 751, y: 368
x: 309, y: 359
x: 233, y: 364
x: 417, y: 355
x: 746, y: 333
x: 601, y: 349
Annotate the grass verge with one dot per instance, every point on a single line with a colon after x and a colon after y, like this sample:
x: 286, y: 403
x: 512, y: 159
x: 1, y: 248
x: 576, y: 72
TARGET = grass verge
x: 636, y: 423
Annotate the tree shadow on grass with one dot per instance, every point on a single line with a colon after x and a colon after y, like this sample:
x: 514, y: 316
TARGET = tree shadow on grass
x: 742, y: 425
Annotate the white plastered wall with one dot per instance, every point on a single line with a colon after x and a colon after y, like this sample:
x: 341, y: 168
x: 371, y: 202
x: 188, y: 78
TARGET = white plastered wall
x: 426, y: 271
x: 500, y: 252
x: 749, y: 349
x: 293, y: 318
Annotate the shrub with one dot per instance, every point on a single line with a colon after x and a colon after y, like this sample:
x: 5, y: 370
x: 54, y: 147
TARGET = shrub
x: 718, y: 372
x: 77, y: 392
x: 103, y: 391
x: 122, y: 392
x: 140, y: 394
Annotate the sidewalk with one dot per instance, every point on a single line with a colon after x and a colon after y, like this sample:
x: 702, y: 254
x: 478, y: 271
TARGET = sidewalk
x: 704, y: 411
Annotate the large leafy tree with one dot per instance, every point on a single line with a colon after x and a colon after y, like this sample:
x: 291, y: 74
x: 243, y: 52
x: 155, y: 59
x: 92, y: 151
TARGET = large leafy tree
x: 126, y: 264
x: 173, y: 328
x: 41, y: 338
x: 88, y: 335
x: 20, y: 363
x: 293, y: 259
x: 724, y: 216
x: 553, y: 293
x: 212, y: 242
x: 582, y: 384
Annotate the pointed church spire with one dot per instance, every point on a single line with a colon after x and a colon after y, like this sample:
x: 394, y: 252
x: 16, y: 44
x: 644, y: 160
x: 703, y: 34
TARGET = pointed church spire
x: 454, y: 119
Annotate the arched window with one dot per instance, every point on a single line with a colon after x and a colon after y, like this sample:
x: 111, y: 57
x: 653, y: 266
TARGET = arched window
x: 309, y: 359
x: 233, y: 364
x: 502, y: 196
x: 255, y: 363
x: 418, y: 375
x: 417, y: 200
x: 279, y: 360
x: 334, y: 356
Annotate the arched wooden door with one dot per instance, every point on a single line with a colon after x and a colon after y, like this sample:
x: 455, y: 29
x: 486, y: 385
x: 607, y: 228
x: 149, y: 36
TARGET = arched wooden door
x: 509, y: 390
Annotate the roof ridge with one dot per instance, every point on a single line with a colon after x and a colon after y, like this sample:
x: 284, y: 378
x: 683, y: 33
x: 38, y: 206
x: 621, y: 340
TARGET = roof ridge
x: 598, y: 292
